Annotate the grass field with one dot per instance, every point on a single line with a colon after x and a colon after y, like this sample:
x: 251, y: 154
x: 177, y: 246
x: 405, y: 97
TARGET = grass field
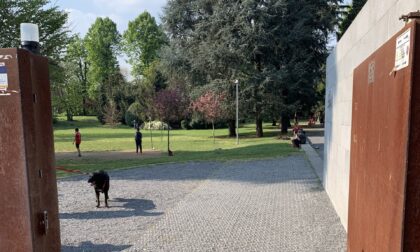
x: 187, y: 145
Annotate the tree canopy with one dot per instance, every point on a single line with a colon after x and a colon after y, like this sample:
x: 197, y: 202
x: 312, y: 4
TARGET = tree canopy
x: 349, y: 14
x: 276, y: 49
x: 103, y: 45
x: 142, y: 41
x: 53, y: 33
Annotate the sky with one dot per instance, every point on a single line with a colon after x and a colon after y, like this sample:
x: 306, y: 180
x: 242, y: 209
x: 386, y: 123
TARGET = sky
x: 82, y: 13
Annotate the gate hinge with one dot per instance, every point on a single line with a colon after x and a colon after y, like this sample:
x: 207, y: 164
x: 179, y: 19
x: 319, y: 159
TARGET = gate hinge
x: 411, y: 15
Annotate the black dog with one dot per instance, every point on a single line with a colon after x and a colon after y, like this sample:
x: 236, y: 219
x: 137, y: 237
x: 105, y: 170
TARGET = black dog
x: 100, y: 181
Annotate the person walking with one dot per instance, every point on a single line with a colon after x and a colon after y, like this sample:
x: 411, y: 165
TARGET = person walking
x: 138, y: 138
x: 77, y: 140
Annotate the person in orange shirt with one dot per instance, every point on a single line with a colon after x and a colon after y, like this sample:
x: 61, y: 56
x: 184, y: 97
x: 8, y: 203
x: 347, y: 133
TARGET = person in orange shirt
x: 296, y: 128
x: 77, y: 140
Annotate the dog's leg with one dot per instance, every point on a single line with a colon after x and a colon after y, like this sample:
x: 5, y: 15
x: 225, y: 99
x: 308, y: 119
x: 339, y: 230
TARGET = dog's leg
x: 97, y: 199
x: 105, y: 190
x: 106, y: 198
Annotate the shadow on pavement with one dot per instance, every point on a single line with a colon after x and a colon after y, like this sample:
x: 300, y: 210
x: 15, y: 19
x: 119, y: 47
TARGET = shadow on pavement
x: 131, y: 207
x: 89, y: 246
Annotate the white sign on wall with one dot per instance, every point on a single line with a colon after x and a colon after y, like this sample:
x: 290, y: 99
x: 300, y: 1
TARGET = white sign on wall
x: 402, y: 53
x: 4, y: 83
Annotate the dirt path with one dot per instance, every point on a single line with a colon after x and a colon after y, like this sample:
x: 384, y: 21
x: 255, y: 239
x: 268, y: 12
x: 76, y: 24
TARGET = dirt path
x: 111, y: 155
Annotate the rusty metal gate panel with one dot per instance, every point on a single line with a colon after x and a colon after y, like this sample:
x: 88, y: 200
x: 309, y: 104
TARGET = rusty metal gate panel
x: 385, y: 106
x: 29, y: 208
x: 412, y: 192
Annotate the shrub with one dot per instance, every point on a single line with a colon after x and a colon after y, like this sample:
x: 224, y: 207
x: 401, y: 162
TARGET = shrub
x: 154, y: 125
x: 198, y: 124
x: 221, y: 125
x: 185, y: 124
x: 133, y: 113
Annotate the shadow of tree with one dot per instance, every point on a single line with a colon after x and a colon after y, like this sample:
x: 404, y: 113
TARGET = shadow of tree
x: 251, y: 135
x: 131, y: 207
x: 89, y: 246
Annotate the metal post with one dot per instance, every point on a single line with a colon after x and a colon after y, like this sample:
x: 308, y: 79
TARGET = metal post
x: 237, y: 111
x: 151, y: 133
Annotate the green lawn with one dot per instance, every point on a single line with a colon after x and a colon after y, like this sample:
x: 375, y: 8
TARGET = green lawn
x: 187, y: 145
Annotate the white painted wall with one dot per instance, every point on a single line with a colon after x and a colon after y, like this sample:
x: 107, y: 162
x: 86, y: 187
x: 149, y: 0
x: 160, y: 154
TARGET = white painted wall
x: 377, y: 22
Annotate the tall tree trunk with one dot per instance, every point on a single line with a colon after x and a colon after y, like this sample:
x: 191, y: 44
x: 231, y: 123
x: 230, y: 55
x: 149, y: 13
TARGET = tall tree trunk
x: 84, y: 106
x: 232, y: 128
x: 295, y: 119
x: 259, y: 128
x: 85, y: 86
x: 69, y: 116
x: 285, y: 122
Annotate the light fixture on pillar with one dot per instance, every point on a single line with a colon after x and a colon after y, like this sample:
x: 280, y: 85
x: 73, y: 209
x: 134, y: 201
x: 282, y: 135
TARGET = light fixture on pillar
x: 29, y: 37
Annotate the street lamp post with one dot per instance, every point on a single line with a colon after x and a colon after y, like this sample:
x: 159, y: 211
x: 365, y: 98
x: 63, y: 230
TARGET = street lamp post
x: 237, y: 111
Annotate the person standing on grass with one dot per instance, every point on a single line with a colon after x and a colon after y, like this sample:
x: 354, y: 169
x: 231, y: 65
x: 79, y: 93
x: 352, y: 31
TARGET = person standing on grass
x: 138, y: 138
x: 77, y: 140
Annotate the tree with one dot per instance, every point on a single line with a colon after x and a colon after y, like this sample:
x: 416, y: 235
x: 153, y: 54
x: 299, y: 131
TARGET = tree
x: 78, y: 68
x: 53, y: 34
x: 117, y: 96
x: 112, y: 115
x: 134, y: 114
x: 153, y: 81
x: 251, y: 41
x: 192, y: 56
x: 51, y: 22
x: 103, y: 45
x: 210, y: 106
x: 67, y: 95
x: 170, y: 105
x: 349, y: 14
x: 70, y: 80
x: 302, y: 58
x: 142, y: 41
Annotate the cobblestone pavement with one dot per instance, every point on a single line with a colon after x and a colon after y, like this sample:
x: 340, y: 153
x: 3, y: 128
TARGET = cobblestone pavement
x: 266, y: 205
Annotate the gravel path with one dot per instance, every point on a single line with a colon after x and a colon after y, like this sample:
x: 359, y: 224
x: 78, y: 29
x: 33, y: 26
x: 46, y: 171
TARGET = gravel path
x: 267, y: 205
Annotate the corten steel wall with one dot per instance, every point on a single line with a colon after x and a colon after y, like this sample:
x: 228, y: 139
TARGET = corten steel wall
x: 376, y: 23
x: 27, y: 176
x: 381, y: 217
x: 412, y: 187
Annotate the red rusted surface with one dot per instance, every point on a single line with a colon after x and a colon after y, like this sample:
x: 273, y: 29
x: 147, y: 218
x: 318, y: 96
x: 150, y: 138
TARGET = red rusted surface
x: 27, y: 178
x: 381, y: 216
x: 412, y: 199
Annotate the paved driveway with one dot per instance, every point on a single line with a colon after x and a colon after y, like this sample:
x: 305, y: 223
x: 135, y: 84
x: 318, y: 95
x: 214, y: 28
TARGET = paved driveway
x: 268, y: 205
